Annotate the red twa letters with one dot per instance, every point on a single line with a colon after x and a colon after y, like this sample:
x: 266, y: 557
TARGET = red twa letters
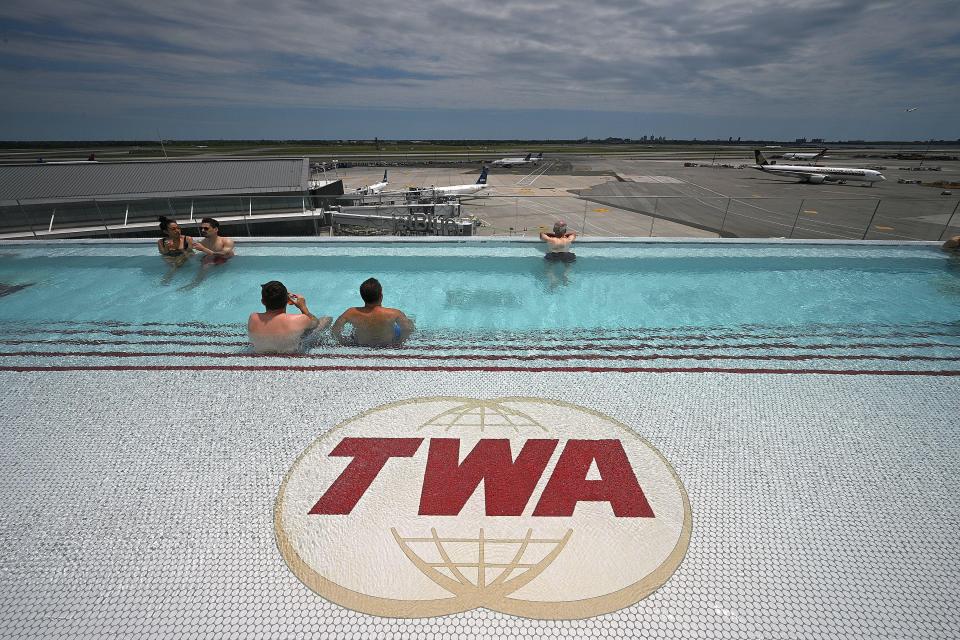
x: 507, y: 483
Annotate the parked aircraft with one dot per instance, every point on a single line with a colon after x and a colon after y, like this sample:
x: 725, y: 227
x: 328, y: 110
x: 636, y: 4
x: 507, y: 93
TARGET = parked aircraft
x: 804, y: 156
x: 374, y: 188
x: 510, y: 162
x: 817, y: 175
x: 461, y: 189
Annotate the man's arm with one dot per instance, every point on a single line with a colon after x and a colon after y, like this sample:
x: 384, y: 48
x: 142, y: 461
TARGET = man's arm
x: 543, y: 236
x: 406, y: 325
x: 301, y: 303
x: 337, y: 328
x: 228, y: 244
x: 203, y: 248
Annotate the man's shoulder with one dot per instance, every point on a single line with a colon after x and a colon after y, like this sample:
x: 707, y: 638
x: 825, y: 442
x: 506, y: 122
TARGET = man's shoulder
x: 394, y: 313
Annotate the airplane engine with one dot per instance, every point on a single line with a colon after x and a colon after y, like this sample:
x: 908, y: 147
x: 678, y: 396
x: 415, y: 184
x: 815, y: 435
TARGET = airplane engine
x: 816, y: 178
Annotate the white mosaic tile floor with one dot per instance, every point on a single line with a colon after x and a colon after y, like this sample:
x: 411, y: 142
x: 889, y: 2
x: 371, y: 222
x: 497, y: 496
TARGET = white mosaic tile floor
x: 139, y: 504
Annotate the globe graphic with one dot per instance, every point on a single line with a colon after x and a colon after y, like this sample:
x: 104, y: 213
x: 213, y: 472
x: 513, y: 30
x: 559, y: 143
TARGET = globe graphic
x: 481, y: 415
x: 476, y: 567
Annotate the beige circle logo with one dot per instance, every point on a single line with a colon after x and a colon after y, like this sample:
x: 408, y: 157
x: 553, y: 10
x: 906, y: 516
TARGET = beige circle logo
x: 526, y: 506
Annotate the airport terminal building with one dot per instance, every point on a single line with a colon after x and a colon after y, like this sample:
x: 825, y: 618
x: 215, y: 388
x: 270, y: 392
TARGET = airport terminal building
x: 89, y: 199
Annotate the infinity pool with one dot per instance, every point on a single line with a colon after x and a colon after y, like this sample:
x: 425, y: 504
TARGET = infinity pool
x: 502, y: 286
x: 801, y: 392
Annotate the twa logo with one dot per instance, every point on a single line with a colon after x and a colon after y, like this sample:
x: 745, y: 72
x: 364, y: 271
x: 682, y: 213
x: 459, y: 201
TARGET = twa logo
x: 526, y: 506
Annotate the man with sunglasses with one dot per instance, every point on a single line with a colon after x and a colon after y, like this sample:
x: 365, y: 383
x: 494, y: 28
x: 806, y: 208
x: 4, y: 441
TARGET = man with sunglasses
x: 218, y: 250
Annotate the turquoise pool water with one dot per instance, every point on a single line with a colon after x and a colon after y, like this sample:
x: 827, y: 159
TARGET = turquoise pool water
x: 486, y: 300
x: 499, y: 286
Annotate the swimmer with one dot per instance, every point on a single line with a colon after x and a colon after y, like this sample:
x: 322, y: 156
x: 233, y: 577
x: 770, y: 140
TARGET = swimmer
x: 373, y: 324
x: 175, y: 247
x: 952, y: 244
x: 217, y: 249
x: 558, y: 243
x: 173, y: 244
x: 275, y: 330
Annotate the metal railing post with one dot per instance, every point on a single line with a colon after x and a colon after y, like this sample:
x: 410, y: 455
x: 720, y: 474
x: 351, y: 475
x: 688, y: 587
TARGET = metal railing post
x: 102, y: 219
x: 723, y: 223
x: 949, y: 220
x: 797, y: 219
x: 653, y: 218
x: 52, y: 216
x: 583, y: 226
x: 126, y: 215
x: 869, y: 224
x: 28, y: 218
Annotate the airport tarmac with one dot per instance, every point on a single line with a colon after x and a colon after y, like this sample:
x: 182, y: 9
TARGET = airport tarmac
x: 606, y: 195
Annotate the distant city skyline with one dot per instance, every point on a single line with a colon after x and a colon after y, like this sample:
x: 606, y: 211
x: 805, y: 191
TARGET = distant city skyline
x: 770, y: 69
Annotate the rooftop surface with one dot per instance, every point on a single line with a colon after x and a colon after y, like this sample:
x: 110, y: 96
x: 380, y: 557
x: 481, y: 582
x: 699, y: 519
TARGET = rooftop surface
x: 141, y: 502
x: 802, y: 484
x: 53, y: 182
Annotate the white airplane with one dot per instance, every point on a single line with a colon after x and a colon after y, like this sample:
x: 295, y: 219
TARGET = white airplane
x: 909, y: 109
x: 461, y: 189
x: 374, y: 188
x: 510, y: 162
x: 804, y: 156
x: 817, y: 175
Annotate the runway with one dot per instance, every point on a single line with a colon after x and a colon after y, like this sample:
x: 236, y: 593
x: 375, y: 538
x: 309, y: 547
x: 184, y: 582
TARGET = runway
x: 637, y: 196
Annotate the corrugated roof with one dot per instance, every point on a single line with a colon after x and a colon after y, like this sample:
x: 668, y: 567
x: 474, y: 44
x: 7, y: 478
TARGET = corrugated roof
x: 52, y: 182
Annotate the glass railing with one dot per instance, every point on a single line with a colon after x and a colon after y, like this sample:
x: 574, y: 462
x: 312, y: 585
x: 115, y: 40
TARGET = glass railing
x: 870, y: 218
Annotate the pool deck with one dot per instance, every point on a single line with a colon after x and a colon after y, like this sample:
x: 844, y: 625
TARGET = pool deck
x: 140, y: 503
x: 140, y: 492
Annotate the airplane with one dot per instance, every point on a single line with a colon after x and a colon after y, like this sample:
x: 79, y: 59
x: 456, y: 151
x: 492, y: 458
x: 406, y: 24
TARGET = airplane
x: 461, y: 189
x: 804, y: 156
x: 375, y: 188
x: 909, y: 109
x: 816, y: 175
x: 509, y: 162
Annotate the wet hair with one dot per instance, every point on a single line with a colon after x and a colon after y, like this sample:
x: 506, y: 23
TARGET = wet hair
x: 274, y: 295
x: 165, y: 222
x: 210, y: 221
x: 371, y: 291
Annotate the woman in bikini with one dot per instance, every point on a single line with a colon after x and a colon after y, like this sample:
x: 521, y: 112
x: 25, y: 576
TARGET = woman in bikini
x: 175, y: 247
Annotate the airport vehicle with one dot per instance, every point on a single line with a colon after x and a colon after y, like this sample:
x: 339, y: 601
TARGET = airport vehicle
x: 816, y: 175
x: 804, y: 156
x: 510, y: 162
x: 460, y: 189
x: 375, y: 188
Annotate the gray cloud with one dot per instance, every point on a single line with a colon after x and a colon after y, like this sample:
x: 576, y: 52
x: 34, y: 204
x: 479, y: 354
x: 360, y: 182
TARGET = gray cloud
x: 726, y: 57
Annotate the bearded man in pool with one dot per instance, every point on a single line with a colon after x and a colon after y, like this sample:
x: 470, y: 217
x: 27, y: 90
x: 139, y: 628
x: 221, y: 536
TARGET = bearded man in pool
x: 275, y: 330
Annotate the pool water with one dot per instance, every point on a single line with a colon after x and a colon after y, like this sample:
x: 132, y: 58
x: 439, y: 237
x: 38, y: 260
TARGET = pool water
x: 900, y: 303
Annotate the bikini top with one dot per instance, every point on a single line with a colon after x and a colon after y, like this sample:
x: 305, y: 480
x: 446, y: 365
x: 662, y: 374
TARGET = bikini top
x: 184, y: 245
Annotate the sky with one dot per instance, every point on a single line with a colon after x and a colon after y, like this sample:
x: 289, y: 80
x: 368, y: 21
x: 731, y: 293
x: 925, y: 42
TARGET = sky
x: 434, y: 69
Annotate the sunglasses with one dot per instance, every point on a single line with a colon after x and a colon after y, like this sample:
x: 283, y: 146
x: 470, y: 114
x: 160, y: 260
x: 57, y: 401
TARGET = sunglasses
x: 205, y: 228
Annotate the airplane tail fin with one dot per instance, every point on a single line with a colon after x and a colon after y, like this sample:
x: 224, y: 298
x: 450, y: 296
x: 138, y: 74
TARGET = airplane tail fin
x: 528, y: 157
x: 758, y: 155
x: 483, y: 176
x: 384, y: 175
x: 540, y: 156
x: 820, y: 155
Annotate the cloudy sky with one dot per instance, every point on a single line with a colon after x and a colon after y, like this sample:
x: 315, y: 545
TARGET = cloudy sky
x: 778, y: 69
